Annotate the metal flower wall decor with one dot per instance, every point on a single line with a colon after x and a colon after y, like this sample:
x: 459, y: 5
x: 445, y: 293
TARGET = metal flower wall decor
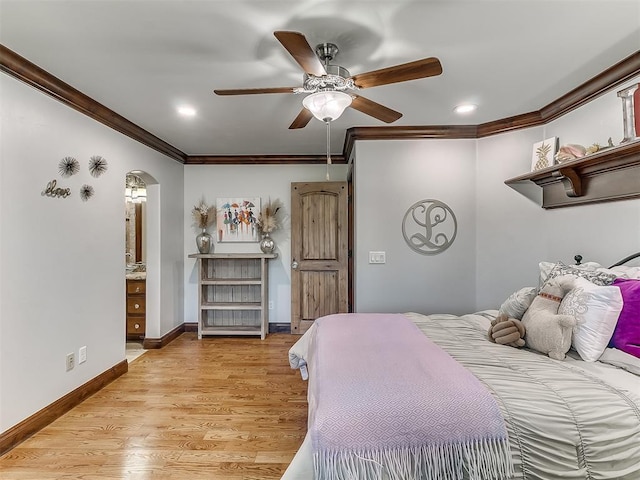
x: 86, y: 192
x: 97, y: 165
x: 68, y: 166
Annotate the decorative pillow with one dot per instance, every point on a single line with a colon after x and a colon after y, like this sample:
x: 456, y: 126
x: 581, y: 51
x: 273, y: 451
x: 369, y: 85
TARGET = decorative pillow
x: 622, y: 271
x: 596, y: 309
x: 518, y: 302
x: 620, y: 359
x: 545, y: 269
x: 626, y: 336
x: 587, y: 272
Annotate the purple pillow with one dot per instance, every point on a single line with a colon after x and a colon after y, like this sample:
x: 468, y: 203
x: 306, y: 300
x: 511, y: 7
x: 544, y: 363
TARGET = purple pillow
x: 626, y: 336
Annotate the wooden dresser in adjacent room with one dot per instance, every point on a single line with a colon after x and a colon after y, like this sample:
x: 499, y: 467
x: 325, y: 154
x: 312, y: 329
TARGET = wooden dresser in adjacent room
x: 136, y: 308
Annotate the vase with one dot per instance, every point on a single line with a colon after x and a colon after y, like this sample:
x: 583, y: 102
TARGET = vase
x: 204, y: 242
x: 267, y: 245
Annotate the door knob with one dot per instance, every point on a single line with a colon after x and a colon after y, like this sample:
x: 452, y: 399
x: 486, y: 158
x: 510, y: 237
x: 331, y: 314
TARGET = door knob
x: 294, y: 265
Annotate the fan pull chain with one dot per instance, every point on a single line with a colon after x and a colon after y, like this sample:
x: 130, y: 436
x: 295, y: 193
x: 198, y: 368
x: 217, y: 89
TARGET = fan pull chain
x: 328, y: 147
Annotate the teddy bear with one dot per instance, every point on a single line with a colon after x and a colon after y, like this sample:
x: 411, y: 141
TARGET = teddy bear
x: 507, y: 331
x: 547, y: 331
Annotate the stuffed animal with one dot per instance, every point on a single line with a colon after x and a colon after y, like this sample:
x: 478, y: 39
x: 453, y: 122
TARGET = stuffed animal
x: 546, y: 331
x: 507, y: 331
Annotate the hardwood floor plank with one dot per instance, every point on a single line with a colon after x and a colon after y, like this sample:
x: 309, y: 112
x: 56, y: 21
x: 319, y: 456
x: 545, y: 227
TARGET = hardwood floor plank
x: 217, y: 408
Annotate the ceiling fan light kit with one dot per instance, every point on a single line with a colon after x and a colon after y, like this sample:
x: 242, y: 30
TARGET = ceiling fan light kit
x: 327, y: 105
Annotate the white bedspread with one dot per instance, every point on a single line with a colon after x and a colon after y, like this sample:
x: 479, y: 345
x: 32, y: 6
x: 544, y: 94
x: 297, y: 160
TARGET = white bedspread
x: 569, y: 419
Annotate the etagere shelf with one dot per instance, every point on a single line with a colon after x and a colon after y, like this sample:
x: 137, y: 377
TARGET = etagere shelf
x: 233, y: 293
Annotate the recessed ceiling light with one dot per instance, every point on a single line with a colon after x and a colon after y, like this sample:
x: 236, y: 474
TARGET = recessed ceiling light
x: 465, y: 108
x: 186, y: 111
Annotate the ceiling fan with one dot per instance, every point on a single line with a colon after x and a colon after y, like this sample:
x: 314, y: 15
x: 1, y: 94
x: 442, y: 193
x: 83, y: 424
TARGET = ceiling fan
x: 327, y: 84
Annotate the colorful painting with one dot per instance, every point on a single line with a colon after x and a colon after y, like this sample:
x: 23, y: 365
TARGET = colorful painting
x: 236, y: 219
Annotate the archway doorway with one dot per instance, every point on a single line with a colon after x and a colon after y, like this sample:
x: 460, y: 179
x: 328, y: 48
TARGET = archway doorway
x: 142, y: 234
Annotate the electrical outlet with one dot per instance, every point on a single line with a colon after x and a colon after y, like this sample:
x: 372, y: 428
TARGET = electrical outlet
x: 82, y: 354
x: 270, y: 304
x: 71, y: 361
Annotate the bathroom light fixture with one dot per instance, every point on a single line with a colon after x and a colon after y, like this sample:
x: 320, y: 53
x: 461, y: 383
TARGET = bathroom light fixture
x: 135, y: 189
x: 327, y: 105
x: 465, y: 108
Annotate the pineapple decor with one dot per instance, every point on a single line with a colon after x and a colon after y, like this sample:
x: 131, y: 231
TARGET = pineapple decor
x: 543, y: 153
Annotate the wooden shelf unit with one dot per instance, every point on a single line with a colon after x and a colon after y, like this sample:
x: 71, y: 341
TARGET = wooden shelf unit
x: 611, y: 174
x: 233, y: 296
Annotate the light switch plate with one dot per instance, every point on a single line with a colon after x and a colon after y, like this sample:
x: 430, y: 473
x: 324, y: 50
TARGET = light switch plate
x: 82, y: 354
x: 377, y: 257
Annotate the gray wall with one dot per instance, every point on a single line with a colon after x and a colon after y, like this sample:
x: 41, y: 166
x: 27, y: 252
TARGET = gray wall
x: 389, y: 177
x: 503, y: 233
x: 515, y: 234
x: 62, y: 264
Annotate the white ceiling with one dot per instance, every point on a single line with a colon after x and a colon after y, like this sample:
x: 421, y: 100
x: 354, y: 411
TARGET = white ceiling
x: 143, y: 58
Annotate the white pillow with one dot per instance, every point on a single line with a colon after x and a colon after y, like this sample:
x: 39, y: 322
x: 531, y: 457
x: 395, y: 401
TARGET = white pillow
x: 623, y: 271
x: 518, y: 302
x: 596, y: 309
x: 621, y: 359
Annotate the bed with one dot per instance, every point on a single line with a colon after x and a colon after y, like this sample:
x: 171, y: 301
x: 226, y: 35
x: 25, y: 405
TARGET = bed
x: 572, y: 419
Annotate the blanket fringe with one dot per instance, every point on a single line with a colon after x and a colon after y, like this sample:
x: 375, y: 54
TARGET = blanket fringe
x: 477, y: 460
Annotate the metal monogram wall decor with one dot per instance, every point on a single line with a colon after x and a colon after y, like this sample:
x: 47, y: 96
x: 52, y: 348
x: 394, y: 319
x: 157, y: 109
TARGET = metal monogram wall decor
x: 429, y: 227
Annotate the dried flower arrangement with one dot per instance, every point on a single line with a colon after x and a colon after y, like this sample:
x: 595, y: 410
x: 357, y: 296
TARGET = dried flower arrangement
x: 203, y: 214
x: 268, y: 220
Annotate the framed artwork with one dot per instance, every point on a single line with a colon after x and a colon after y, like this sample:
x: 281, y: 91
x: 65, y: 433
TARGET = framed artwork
x: 544, y: 153
x: 236, y: 219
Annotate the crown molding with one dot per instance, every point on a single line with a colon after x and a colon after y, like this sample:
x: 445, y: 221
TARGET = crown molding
x: 405, y: 133
x: 14, y: 65
x: 260, y: 159
x: 610, y: 78
x: 19, y: 67
x: 603, y: 82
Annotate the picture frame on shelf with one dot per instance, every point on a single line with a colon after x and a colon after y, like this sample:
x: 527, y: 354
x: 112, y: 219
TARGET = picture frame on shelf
x: 236, y: 219
x: 543, y: 154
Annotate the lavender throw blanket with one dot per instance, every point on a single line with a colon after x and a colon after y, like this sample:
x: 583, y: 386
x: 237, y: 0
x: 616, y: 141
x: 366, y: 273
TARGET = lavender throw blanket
x: 386, y: 401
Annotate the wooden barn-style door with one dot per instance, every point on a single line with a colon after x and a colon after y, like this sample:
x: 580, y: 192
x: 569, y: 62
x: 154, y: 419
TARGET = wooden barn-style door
x: 319, y: 253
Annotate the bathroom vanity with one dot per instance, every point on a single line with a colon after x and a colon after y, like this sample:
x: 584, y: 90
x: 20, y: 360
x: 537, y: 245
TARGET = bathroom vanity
x: 136, y: 306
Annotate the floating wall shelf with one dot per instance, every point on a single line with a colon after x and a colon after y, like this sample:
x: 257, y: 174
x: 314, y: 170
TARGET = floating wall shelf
x: 607, y: 175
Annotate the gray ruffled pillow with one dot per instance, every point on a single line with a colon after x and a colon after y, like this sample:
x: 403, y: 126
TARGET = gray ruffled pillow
x: 594, y: 276
x: 518, y: 302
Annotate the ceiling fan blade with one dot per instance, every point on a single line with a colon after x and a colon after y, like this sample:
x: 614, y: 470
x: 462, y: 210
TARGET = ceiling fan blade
x: 296, y: 44
x: 374, y: 109
x: 427, y: 67
x: 254, y: 91
x: 302, y: 119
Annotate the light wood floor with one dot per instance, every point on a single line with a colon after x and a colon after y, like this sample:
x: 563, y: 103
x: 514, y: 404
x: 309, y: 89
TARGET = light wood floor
x: 217, y: 408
